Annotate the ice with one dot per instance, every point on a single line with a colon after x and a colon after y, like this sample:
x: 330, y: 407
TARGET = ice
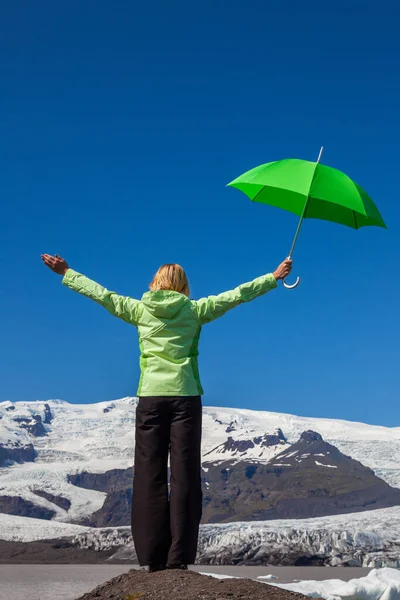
x: 220, y: 575
x: 367, y: 539
x: 379, y: 584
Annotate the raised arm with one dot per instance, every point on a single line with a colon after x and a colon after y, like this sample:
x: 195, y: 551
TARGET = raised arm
x: 213, y: 307
x: 122, y: 307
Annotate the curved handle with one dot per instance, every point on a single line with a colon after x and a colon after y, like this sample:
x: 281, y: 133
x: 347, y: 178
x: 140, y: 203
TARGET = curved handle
x: 291, y: 287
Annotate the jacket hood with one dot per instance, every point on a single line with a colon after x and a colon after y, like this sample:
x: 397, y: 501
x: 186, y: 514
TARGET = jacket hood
x: 164, y: 304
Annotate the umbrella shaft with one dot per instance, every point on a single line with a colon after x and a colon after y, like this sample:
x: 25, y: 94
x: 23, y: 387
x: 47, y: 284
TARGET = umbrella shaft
x: 303, y: 214
x: 296, y: 235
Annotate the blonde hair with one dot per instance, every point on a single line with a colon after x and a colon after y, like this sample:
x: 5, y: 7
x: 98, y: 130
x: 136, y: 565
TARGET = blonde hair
x: 171, y: 277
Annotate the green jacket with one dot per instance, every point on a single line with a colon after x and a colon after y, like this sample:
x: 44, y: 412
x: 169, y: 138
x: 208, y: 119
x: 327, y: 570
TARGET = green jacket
x: 169, y: 326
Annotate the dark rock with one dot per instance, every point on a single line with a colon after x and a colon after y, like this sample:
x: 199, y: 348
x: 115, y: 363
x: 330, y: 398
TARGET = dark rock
x: 116, y: 510
x: 250, y: 471
x: 310, y: 436
x: 63, y: 503
x: 241, y: 446
x: 109, y: 481
x: 14, y: 505
x: 48, y: 415
x: 273, y: 439
x: 310, y: 561
x: 10, y: 407
x: 225, y: 474
x: 231, y: 427
x: 238, y: 445
x: 16, y: 453
x: 35, y: 426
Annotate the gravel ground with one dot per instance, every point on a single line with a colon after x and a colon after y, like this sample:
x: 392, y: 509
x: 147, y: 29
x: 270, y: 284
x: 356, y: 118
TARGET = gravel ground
x: 184, y: 585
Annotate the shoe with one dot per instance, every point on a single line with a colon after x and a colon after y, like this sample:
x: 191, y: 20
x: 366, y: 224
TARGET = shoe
x: 178, y: 566
x: 155, y: 568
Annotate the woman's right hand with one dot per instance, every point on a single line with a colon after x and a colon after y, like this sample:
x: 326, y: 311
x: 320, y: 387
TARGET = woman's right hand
x: 283, y: 270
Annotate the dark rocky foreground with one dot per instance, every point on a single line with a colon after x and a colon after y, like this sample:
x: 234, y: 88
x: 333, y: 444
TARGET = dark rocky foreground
x: 184, y: 585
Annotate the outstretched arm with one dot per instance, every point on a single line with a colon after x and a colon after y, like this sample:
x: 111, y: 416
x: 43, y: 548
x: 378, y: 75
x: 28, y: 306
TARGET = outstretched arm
x: 215, y: 306
x: 120, y: 306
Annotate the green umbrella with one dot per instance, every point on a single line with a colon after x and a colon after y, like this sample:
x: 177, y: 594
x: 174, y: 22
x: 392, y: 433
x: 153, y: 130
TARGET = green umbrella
x: 310, y: 190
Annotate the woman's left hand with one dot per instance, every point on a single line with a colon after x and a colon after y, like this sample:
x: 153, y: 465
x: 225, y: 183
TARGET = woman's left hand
x: 55, y: 263
x: 283, y: 270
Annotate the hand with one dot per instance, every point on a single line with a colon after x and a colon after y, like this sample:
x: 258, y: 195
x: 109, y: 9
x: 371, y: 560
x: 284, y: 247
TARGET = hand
x: 55, y: 263
x: 283, y: 270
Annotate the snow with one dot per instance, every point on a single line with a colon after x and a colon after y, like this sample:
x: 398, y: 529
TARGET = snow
x: 220, y: 575
x: 379, y: 584
x: 11, y: 437
x: 23, y: 480
x: 80, y: 438
x: 24, y: 529
x: 321, y: 465
x: 286, y: 455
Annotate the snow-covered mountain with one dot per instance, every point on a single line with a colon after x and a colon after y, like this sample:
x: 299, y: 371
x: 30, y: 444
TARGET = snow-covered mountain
x: 44, y: 444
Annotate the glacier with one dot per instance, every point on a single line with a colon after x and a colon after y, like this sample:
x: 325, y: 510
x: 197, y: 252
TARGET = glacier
x: 368, y: 539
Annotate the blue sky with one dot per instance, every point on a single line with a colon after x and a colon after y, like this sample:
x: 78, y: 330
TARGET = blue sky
x: 122, y: 122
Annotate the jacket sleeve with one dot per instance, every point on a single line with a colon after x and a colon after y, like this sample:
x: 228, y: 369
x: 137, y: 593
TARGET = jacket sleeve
x: 122, y: 307
x: 213, y: 307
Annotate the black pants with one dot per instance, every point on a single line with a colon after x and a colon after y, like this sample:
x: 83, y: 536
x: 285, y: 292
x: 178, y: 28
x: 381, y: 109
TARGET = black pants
x: 165, y: 527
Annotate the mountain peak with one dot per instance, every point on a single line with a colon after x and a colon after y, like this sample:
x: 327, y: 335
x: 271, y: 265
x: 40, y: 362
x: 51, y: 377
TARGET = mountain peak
x: 310, y: 436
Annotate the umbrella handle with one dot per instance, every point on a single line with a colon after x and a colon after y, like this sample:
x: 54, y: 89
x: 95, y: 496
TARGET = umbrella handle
x: 293, y: 285
x: 289, y: 286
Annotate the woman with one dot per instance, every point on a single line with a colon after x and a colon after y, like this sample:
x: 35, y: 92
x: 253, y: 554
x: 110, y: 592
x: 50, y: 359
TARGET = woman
x: 168, y: 417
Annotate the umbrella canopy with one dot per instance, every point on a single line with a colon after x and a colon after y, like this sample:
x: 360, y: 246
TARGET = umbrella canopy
x: 319, y: 191
x: 312, y: 191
